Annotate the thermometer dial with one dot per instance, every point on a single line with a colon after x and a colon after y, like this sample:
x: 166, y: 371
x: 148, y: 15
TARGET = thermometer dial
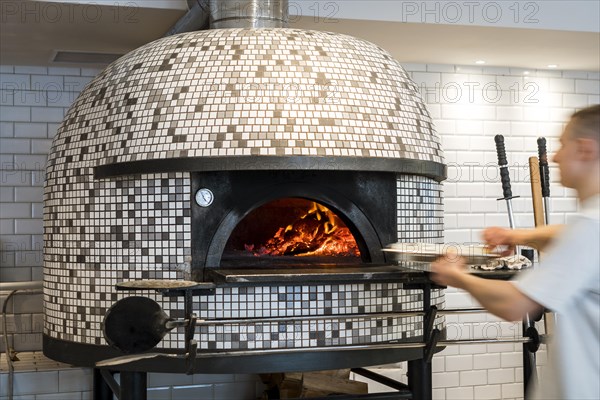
x: 204, y: 197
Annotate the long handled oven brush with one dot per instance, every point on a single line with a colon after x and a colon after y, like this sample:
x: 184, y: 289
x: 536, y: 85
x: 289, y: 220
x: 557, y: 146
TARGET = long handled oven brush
x: 544, y: 176
x: 529, y: 359
x: 540, y: 188
x: 535, y: 172
x: 505, y: 178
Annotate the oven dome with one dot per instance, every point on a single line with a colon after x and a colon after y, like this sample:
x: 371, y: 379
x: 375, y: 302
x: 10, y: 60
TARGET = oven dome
x: 251, y: 99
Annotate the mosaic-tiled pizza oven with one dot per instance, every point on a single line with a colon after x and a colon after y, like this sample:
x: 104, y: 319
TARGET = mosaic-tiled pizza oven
x: 176, y: 144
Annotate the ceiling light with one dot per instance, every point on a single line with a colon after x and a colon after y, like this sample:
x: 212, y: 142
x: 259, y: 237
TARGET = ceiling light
x: 552, y: 66
x: 526, y: 73
x: 479, y: 62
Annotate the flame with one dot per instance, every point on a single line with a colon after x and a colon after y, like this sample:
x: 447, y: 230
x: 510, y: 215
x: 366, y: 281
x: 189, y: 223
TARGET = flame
x: 319, y: 232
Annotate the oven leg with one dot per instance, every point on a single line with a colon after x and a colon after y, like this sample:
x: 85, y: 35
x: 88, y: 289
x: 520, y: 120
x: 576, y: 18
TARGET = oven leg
x: 101, y: 389
x: 419, y: 379
x: 419, y: 371
x: 528, y: 363
x: 133, y: 385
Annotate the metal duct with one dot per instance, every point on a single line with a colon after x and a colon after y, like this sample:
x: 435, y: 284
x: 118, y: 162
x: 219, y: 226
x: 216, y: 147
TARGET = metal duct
x: 195, y: 19
x: 248, y: 14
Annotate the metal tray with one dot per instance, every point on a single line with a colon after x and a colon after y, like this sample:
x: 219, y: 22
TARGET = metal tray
x: 429, y: 252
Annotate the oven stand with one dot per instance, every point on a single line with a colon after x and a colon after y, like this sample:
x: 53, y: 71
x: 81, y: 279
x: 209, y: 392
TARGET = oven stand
x: 132, y: 386
x: 419, y: 371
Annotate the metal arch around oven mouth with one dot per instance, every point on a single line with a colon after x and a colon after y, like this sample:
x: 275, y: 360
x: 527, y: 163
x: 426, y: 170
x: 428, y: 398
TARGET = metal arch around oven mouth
x: 364, y: 233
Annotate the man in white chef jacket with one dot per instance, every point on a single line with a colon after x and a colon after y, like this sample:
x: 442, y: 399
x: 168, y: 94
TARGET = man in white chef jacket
x: 568, y: 279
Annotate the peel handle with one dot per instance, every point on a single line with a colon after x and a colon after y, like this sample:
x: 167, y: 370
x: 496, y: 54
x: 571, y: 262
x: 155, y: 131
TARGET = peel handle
x: 504, y: 174
x: 544, y: 169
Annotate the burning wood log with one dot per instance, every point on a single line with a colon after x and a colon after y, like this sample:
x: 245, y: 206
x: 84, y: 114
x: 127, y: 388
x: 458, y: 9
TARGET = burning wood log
x: 319, y: 232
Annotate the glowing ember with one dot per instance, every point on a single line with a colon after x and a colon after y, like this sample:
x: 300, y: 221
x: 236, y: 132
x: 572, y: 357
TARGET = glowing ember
x: 317, y: 233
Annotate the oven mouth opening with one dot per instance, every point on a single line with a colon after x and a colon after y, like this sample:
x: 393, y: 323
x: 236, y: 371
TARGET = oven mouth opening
x: 292, y: 231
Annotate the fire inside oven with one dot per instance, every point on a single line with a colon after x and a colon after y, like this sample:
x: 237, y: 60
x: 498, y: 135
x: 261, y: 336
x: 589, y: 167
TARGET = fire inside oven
x: 276, y: 219
x: 292, y: 227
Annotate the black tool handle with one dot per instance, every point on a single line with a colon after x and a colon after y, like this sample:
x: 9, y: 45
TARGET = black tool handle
x: 504, y: 175
x: 544, y: 169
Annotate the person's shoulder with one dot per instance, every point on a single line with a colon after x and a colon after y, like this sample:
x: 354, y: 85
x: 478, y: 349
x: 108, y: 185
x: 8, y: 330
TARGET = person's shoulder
x: 579, y: 237
x: 586, y: 222
x: 590, y: 208
x: 583, y: 236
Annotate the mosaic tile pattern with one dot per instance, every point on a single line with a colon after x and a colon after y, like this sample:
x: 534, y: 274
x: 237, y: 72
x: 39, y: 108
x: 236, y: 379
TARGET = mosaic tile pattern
x: 100, y: 232
x: 248, y: 92
x: 420, y: 209
x: 237, y: 92
x: 316, y: 300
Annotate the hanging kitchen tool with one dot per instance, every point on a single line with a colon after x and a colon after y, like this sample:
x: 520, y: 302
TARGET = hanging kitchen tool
x: 544, y: 176
x: 529, y: 361
x: 505, y: 178
x: 535, y: 173
x: 540, y: 188
x: 136, y: 324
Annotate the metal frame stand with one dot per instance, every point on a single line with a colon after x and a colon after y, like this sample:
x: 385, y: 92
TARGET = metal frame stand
x: 419, y: 371
x: 419, y: 379
x: 133, y: 385
x: 529, y: 357
x: 101, y: 389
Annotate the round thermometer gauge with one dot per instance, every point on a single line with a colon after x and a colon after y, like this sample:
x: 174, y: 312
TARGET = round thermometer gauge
x: 204, y: 197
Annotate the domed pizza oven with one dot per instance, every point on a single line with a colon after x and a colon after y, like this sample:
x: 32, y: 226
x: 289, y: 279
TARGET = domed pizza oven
x: 270, y: 164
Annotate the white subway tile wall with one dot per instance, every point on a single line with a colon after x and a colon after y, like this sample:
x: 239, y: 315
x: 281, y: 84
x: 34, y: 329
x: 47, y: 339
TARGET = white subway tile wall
x: 469, y: 106
x: 475, y: 106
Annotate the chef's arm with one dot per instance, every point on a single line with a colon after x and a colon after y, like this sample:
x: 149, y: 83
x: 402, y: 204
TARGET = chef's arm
x: 501, y: 298
x: 537, y: 238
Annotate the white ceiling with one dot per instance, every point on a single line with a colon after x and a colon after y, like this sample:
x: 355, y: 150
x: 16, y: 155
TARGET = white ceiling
x: 463, y: 45
x: 32, y: 35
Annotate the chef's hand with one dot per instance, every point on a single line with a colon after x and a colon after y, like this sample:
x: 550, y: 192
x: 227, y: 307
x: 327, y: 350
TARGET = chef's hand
x: 495, y: 236
x: 447, y: 271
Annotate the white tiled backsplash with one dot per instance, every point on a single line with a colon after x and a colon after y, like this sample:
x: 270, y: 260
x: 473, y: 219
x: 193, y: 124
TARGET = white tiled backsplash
x: 469, y: 106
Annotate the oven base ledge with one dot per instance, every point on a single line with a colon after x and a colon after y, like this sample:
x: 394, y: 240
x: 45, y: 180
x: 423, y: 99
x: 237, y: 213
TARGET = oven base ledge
x: 86, y: 355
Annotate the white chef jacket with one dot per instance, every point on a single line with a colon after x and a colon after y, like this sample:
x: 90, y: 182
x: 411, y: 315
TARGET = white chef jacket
x: 568, y: 282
